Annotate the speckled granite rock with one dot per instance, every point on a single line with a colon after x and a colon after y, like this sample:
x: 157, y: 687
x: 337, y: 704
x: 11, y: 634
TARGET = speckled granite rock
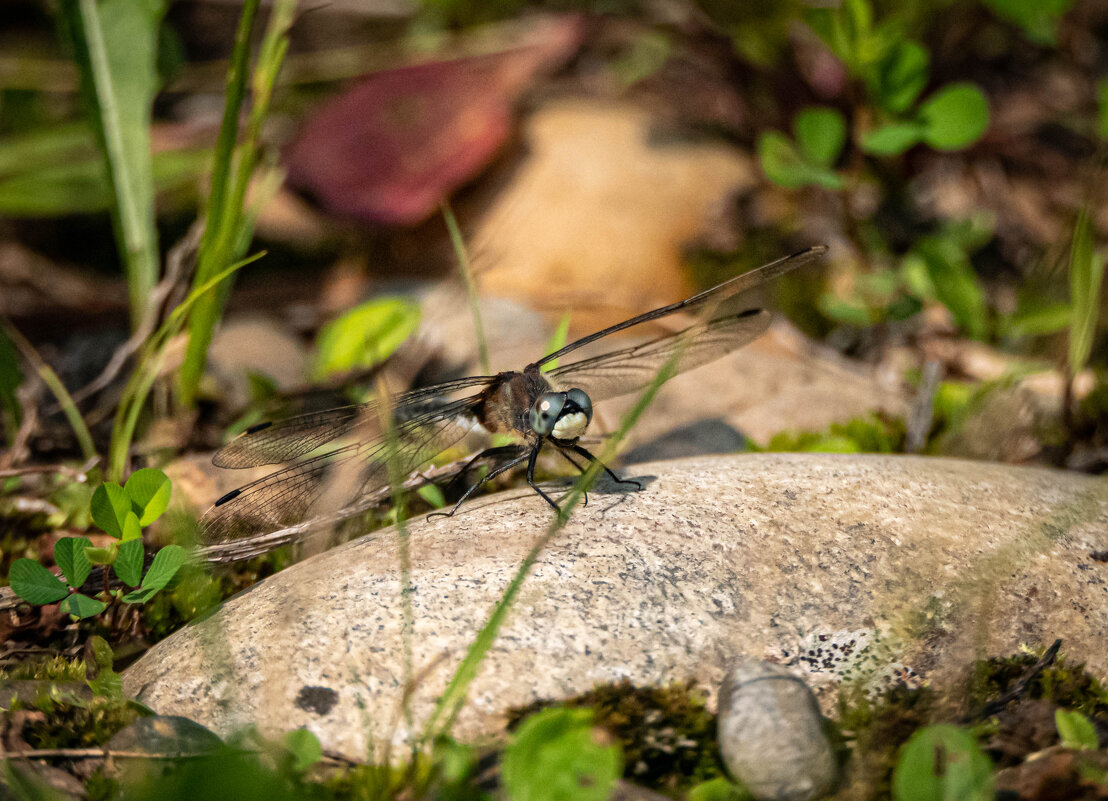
x: 802, y: 557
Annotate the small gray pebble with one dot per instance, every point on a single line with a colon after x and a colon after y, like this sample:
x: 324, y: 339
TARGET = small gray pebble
x: 771, y: 734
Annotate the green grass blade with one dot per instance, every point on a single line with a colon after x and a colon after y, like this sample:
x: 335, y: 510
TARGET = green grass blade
x: 466, y: 270
x: 1086, y: 273
x: 115, y: 43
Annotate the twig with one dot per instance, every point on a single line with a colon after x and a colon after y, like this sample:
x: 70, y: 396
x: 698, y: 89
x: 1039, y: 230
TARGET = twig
x: 28, y: 420
x: 922, y: 414
x: 1020, y: 687
x: 78, y: 474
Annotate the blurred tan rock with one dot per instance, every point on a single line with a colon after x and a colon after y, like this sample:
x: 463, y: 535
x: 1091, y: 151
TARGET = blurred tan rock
x: 595, y: 219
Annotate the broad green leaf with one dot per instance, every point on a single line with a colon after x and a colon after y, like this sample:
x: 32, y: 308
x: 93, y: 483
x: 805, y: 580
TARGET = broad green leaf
x: 304, y: 747
x: 941, y: 763
x: 1086, y: 273
x: 81, y: 606
x: 1076, y: 730
x: 115, y: 43
x: 69, y: 553
x: 365, y: 336
x: 102, y: 556
x: 820, y: 134
x: 128, y: 562
x: 900, y: 77
x: 954, y: 117
x: 44, y: 147
x: 955, y: 283
x: 1037, y: 18
x: 131, y: 528
x: 892, y: 139
x: 99, y: 669
x: 557, y: 755
x: 34, y: 583
x: 149, y: 490
x: 166, y: 563
x: 786, y: 167
x: 110, y: 507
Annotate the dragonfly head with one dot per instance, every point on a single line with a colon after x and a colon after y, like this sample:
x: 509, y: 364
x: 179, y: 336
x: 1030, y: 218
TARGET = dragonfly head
x: 561, y: 415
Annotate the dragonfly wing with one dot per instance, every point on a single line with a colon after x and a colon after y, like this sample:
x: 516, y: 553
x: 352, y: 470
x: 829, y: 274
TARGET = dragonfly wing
x: 285, y: 440
x: 631, y: 369
x: 326, y: 484
x: 720, y: 301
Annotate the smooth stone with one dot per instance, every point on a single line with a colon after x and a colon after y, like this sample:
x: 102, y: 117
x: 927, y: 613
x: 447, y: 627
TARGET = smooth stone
x: 718, y: 557
x: 771, y: 734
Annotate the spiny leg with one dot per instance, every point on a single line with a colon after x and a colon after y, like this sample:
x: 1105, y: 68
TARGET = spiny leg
x: 488, y: 453
x: 506, y: 466
x: 531, y: 477
x: 579, y: 467
x: 613, y: 476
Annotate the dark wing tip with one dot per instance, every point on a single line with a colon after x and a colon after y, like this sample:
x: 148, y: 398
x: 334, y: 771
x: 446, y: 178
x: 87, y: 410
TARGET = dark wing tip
x: 258, y: 427
x: 230, y: 496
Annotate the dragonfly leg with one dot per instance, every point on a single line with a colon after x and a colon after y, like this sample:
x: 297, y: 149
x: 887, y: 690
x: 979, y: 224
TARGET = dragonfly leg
x: 488, y: 453
x: 579, y: 467
x: 531, y: 477
x: 613, y: 476
x: 506, y: 466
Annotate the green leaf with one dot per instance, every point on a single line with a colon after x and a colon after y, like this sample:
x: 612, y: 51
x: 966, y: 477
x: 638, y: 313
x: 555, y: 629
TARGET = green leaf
x: 954, y: 117
x: 131, y: 528
x: 786, y: 167
x: 99, y: 669
x: 102, y: 556
x: 34, y: 583
x: 901, y: 76
x: 304, y: 747
x: 116, y: 43
x: 69, y: 553
x: 1076, y: 730
x: 821, y: 134
x: 719, y: 789
x: 1037, y: 18
x: 365, y: 336
x: 942, y: 763
x: 433, y: 495
x: 149, y: 490
x: 110, y: 507
x: 893, y: 138
x: 847, y: 312
x: 166, y: 563
x: 1086, y: 273
x: 1040, y: 320
x: 557, y: 756
x: 128, y: 563
x: 81, y: 606
x: 955, y: 283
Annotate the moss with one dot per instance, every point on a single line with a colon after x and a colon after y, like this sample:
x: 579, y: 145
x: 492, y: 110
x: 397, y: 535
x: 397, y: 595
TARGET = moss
x: 1062, y: 684
x: 667, y: 733
x: 877, y: 728
x: 56, y: 668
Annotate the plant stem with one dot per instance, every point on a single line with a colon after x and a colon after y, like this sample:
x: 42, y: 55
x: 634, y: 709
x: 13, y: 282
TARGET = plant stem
x: 466, y: 269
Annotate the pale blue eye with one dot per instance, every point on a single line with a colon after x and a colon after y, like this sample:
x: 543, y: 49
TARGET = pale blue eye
x: 544, y: 414
x: 584, y: 403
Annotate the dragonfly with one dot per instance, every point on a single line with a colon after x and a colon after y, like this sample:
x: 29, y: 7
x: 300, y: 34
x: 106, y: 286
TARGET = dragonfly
x: 540, y: 405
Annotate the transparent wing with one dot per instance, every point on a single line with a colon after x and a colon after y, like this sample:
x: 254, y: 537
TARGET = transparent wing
x: 715, y: 303
x: 621, y: 371
x: 326, y: 484
x: 285, y: 440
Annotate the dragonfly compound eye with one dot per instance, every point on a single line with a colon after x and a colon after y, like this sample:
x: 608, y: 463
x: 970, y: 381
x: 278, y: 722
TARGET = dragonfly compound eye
x: 546, y: 411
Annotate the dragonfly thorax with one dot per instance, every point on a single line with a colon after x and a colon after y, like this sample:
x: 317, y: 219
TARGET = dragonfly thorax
x: 561, y: 415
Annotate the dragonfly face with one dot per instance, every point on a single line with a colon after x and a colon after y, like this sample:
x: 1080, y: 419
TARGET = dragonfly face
x: 540, y: 408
